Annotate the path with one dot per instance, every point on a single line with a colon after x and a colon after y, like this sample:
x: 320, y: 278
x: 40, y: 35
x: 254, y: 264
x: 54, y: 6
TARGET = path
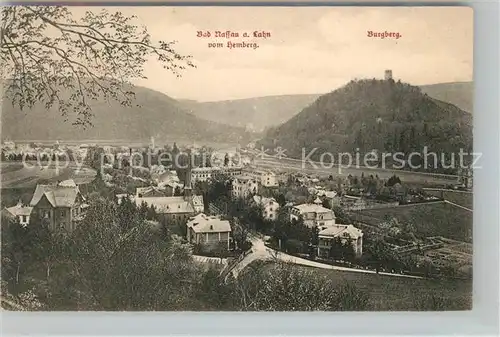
x: 457, y: 205
x: 263, y: 253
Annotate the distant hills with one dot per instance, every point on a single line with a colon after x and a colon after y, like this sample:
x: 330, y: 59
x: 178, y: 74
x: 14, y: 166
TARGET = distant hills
x: 163, y: 117
x: 460, y: 94
x: 254, y: 113
x: 152, y: 114
x: 374, y: 114
x: 269, y: 111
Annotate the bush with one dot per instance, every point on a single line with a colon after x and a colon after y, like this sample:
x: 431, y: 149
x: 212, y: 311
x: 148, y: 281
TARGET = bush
x: 295, y: 246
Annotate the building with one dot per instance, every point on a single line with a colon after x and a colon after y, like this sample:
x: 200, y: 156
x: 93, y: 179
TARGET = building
x: 20, y: 212
x: 313, y: 214
x: 61, y: 205
x: 150, y: 191
x: 207, y: 173
x: 270, y: 207
x: 265, y: 178
x: 331, y: 197
x: 244, y: 186
x: 172, y: 208
x: 208, y: 231
x: 346, y: 233
x: 388, y: 74
x: 465, y: 177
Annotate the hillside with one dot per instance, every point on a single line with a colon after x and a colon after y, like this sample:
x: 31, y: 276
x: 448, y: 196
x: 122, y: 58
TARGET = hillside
x: 257, y: 113
x: 152, y: 114
x: 460, y: 94
x: 374, y: 114
x: 270, y: 111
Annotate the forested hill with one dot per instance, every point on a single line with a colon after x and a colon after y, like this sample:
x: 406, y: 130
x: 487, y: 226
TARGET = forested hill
x: 374, y: 114
x: 152, y: 114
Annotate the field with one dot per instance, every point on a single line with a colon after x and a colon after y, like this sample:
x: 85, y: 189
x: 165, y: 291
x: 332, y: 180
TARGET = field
x: 435, y: 219
x: 19, y: 176
x: 458, y: 197
x: 389, y: 293
x: 456, y: 254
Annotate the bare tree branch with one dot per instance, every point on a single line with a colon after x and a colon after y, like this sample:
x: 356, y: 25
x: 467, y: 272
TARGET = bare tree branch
x: 48, y: 57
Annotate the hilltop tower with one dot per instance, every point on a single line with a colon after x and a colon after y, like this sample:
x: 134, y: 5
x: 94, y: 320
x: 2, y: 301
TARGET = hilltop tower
x: 388, y: 75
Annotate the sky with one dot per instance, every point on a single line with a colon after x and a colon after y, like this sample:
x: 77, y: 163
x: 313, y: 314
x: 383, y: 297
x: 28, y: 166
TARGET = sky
x: 311, y: 50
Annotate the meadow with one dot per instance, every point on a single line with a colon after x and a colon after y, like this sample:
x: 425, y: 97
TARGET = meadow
x: 434, y: 219
x: 16, y: 175
x: 391, y: 293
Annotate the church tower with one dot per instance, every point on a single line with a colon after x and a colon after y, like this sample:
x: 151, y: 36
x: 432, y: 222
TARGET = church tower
x: 188, y: 186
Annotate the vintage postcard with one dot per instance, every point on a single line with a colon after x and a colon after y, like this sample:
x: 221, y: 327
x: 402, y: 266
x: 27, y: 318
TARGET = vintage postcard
x: 236, y: 158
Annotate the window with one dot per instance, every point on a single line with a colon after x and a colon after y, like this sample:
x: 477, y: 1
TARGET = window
x: 63, y: 213
x: 23, y: 218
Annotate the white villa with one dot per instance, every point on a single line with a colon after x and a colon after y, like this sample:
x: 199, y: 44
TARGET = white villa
x: 208, y: 231
x: 206, y: 173
x: 21, y: 212
x: 244, y: 186
x: 270, y: 206
x: 313, y: 214
x: 347, y: 233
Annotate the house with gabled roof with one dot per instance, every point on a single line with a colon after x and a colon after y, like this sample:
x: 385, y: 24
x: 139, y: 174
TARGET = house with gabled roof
x: 313, y: 215
x: 170, y: 207
x: 208, y: 231
x: 346, y: 233
x: 20, y: 212
x: 60, y: 205
x: 269, y: 206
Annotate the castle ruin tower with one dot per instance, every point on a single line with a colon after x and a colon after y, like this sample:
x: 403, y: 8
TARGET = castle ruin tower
x: 388, y: 75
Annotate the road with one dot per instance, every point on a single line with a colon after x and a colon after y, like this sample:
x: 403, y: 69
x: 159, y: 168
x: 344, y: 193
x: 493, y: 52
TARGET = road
x: 335, y: 170
x: 263, y: 253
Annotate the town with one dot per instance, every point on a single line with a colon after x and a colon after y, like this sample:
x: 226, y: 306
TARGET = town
x: 146, y: 169
x: 231, y: 212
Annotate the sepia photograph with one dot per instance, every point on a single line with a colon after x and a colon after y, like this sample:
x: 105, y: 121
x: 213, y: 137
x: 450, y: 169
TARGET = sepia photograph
x: 196, y: 158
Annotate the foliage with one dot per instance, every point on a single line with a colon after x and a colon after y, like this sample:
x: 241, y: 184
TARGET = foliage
x: 342, y: 250
x: 44, y: 48
x: 283, y: 287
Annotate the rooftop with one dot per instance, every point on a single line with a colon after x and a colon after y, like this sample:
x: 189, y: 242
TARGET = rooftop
x: 172, y: 205
x: 337, y: 230
x: 263, y: 200
x: 203, y: 223
x: 19, y: 210
x: 312, y: 208
x: 63, y: 194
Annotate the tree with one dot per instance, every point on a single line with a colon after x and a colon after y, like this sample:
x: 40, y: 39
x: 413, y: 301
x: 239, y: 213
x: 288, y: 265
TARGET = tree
x: 381, y: 254
x: 281, y: 200
x: 336, y: 249
x: 143, y: 211
x: 15, y: 249
x: 177, y: 191
x: 326, y: 204
x: 286, y: 287
x: 151, y: 213
x: 43, y: 48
